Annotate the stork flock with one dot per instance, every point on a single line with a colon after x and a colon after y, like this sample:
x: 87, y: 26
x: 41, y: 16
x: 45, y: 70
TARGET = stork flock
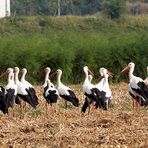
x: 16, y: 91
x: 98, y: 95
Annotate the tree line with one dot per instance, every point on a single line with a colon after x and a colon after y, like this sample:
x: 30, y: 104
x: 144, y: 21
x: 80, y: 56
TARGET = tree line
x: 113, y: 8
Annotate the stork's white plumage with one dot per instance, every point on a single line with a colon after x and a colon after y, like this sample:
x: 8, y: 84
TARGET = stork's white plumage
x: 87, y: 85
x: 99, y: 85
x: 90, y: 77
x: 10, y: 84
x: 50, y: 93
x: 23, y: 92
x: 91, y: 92
x: 65, y: 92
x: 47, y: 72
x: 20, y: 87
x: 137, y: 88
x: 29, y: 87
x: 23, y: 80
x: 105, y: 88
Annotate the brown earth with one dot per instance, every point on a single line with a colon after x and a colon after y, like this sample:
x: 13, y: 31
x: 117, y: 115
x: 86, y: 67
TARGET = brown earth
x: 120, y: 127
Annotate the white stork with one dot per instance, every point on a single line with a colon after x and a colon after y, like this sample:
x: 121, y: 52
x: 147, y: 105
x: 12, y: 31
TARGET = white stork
x: 10, y: 90
x: 22, y: 91
x: 105, y: 88
x: 50, y: 93
x: 65, y: 92
x: 29, y: 87
x: 137, y: 88
x: 47, y: 81
x: 91, y: 92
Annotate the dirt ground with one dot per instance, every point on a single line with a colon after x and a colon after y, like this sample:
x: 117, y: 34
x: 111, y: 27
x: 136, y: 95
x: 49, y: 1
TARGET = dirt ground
x: 120, y: 127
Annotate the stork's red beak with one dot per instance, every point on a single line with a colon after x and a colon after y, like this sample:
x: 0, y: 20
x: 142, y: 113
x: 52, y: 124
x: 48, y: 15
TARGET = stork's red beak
x: 110, y: 74
x: 100, y: 78
x: 125, y: 70
x: 90, y: 72
x: 3, y: 74
x: 53, y: 74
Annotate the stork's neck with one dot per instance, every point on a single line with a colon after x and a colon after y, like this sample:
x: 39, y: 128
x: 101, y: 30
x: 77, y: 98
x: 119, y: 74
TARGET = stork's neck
x: 10, y: 77
x: 23, y: 76
x: 16, y: 77
x: 86, y: 77
x: 101, y: 81
x: 46, y: 76
x: 131, y: 70
x: 105, y: 82
x: 59, y: 79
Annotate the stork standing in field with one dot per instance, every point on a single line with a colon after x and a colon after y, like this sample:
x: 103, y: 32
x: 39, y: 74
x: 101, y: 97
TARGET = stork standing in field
x: 88, y: 101
x: 45, y: 86
x: 29, y: 87
x: 137, y: 88
x: 23, y: 92
x: 99, y: 85
x: 105, y: 88
x: 50, y: 93
x: 65, y: 92
x: 91, y: 92
x: 10, y: 90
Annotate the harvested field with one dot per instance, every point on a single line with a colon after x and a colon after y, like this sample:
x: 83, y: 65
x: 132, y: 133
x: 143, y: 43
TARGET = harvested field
x: 121, y: 127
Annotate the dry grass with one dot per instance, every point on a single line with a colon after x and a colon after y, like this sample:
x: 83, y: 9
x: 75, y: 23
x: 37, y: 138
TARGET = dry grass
x: 118, y: 128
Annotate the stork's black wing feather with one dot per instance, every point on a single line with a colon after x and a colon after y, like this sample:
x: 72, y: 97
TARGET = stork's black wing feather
x: 143, y: 91
x: 72, y: 98
x: 3, y: 107
x: 9, y: 98
x: 52, y: 97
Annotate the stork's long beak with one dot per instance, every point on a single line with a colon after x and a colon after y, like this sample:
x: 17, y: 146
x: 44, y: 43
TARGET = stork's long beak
x: 100, y: 78
x: 126, y: 69
x: 53, y: 74
x: 3, y: 74
x: 110, y: 74
x: 90, y: 72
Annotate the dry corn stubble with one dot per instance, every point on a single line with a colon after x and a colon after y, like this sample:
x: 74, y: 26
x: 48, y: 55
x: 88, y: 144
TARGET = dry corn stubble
x: 118, y: 127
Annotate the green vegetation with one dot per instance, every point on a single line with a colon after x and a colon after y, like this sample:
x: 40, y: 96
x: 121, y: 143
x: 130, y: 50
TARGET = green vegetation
x: 72, y: 42
x: 114, y: 8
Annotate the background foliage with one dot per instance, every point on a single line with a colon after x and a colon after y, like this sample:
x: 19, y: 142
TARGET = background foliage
x: 114, y: 8
x: 71, y: 42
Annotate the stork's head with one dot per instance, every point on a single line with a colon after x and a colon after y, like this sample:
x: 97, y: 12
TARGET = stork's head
x: 16, y: 69
x: 24, y: 70
x: 47, y: 70
x: 130, y: 66
x: 9, y: 70
x: 87, y: 70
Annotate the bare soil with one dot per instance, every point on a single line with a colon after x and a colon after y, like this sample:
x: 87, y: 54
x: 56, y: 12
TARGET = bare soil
x: 120, y: 127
